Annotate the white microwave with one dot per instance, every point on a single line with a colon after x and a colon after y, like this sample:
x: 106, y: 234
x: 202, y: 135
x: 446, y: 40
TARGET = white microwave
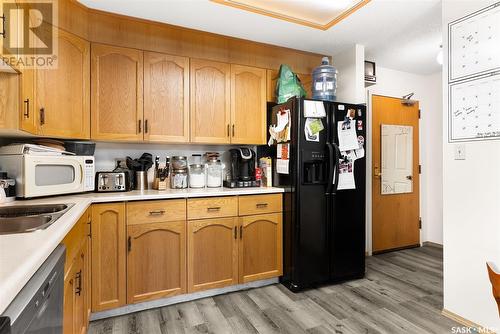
x: 46, y: 175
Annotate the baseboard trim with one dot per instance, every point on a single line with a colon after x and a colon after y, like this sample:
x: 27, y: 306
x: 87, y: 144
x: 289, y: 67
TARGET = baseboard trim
x: 432, y: 244
x: 465, y: 322
x: 178, y: 299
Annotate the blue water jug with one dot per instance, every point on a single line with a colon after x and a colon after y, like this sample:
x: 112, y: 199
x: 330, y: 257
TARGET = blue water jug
x: 324, y: 81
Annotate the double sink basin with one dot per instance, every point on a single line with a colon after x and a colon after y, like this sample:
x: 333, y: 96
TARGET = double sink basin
x: 30, y: 218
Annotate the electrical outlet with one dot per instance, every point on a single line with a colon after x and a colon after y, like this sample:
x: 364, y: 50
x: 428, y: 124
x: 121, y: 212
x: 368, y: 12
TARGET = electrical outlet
x: 460, y: 152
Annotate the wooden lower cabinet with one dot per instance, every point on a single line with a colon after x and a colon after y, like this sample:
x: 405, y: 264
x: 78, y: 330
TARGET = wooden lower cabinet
x: 212, y: 253
x: 156, y: 260
x: 76, y: 279
x: 109, y: 250
x: 260, y: 247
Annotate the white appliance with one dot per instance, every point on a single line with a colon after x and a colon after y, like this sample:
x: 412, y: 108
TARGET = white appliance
x: 45, y: 175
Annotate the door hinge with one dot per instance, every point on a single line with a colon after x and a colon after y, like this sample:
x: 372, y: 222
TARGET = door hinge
x: 420, y: 169
x: 129, y: 244
x: 419, y: 114
x: 419, y: 223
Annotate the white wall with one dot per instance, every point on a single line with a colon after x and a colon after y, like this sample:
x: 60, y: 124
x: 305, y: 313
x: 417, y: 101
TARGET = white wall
x: 428, y: 92
x: 471, y: 209
x: 350, y: 65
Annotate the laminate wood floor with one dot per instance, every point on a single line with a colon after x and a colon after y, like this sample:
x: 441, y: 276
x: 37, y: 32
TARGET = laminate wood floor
x: 401, y: 293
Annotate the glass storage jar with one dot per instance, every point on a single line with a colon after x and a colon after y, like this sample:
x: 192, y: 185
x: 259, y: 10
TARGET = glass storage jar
x: 214, y: 171
x: 196, y: 176
x: 179, y: 179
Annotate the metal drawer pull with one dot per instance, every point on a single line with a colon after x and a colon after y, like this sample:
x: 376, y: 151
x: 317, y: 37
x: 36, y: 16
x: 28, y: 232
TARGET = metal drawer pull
x: 262, y: 205
x: 78, y: 289
x: 157, y: 213
x: 215, y: 208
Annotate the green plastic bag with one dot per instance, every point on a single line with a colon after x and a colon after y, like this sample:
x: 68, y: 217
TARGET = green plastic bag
x: 288, y: 85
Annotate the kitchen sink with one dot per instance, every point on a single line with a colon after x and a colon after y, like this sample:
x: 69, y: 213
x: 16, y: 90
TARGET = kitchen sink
x: 29, y: 218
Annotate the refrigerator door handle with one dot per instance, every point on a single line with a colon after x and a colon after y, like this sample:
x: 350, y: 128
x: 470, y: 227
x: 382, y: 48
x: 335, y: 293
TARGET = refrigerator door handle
x: 335, y: 182
x: 331, y: 167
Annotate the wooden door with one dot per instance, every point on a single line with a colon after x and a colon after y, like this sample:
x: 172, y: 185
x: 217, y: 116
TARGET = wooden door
x: 210, y: 101
x: 261, y: 247
x: 212, y: 253
x: 395, y: 217
x: 62, y: 95
x: 109, y: 251
x: 248, y: 105
x: 156, y: 261
x: 166, y: 98
x: 116, y: 93
x: 88, y: 267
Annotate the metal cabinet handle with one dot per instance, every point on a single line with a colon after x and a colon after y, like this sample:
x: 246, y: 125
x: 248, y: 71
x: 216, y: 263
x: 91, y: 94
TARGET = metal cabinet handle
x: 228, y: 130
x: 241, y: 231
x: 215, y: 208
x: 27, y: 112
x: 146, y: 126
x: 3, y: 33
x: 42, y: 116
x: 129, y: 244
x: 78, y: 277
x: 235, y: 232
x: 261, y: 205
x: 140, y: 126
x: 233, y: 130
x: 157, y: 213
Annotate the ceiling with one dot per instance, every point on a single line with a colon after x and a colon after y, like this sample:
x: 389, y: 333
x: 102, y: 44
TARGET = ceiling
x: 400, y: 34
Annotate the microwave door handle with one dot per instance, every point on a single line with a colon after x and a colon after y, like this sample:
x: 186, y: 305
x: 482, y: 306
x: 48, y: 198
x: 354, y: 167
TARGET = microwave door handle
x: 82, y: 177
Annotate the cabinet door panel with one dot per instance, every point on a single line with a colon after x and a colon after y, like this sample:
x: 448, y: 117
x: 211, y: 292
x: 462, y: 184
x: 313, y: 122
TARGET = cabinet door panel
x: 260, y: 254
x: 69, y: 301
x: 248, y: 105
x: 166, y: 98
x: 108, y: 256
x: 156, y: 262
x: 210, y: 101
x: 212, y: 253
x: 64, y: 93
x: 117, y: 93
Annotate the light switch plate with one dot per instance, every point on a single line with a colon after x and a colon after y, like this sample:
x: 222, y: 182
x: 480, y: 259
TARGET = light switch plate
x: 460, y: 152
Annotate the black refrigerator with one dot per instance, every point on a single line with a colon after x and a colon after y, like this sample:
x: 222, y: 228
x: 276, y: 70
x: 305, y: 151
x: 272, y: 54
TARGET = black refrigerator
x: 323, y: 226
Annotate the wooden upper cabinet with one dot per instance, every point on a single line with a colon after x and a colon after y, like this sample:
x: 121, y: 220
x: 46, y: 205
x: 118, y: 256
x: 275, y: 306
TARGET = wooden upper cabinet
x: 9, y: 100
x: 260, y: 248
x: 166, y: 98
x: 248, y: 105
x: 62, y: 95
x: 306, y: 80
x: 108, y: 256
x: 210, y: 102
x: 117, y: 93
x: 156, y: 261
x: 212, y: 253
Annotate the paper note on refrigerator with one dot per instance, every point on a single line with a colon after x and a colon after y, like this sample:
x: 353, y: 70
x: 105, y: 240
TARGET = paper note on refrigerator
x: 347, y: 135
x: 282, y: 166
x: 315, y: 109
x: 312, y: 128
x: 346, y: 171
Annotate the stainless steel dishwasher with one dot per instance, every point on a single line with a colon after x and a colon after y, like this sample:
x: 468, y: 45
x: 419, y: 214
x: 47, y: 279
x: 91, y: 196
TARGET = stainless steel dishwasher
x: 38, y: 307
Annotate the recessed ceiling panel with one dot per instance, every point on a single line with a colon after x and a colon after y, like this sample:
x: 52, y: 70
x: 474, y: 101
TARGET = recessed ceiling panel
x: 320, y: 14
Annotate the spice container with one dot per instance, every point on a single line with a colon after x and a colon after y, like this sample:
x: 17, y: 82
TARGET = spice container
x: 179, y: 179
x: 196, y: 176
x: 214, y: 170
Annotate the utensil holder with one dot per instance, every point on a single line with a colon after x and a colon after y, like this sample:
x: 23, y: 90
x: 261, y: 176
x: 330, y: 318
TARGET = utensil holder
x: 141, y: 180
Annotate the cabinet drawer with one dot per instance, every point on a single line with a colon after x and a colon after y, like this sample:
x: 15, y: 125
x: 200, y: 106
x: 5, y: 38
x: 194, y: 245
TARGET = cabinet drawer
x: 144, y: 212
x: 201, y: 208
x: 258, y: 204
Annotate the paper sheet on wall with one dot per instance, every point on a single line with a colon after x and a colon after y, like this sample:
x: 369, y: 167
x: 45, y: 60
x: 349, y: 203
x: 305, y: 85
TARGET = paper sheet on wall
x: 347, y: 135
x: 315, y: 109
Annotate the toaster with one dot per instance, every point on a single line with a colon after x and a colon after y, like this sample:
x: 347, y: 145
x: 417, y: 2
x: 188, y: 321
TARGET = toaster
x: 112, y: 181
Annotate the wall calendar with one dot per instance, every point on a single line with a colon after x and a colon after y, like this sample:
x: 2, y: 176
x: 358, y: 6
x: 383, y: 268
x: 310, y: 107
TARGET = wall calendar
x: 474, y: 76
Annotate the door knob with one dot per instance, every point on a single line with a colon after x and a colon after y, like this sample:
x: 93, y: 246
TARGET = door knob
x: 409, y: 177
x: 376, y: 172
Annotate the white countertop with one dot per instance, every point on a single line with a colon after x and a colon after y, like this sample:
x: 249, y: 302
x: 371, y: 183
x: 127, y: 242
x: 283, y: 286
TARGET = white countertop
x: 22, y: 254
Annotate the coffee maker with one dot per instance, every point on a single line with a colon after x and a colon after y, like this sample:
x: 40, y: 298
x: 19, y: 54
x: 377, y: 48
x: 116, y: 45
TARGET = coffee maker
x: 242, y: 169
